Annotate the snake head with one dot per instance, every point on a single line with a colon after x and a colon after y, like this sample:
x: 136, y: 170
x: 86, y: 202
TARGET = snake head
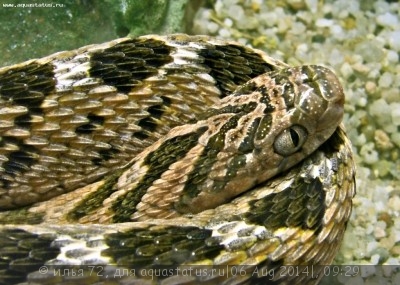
x: 263, y: 128
x: 314, y: 109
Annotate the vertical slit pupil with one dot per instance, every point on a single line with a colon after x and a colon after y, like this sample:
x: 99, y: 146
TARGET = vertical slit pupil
x: 295, y: 137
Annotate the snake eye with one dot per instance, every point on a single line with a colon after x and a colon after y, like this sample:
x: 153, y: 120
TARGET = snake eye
x: 290, y: 140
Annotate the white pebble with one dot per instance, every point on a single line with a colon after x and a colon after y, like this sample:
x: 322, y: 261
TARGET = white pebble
x: 362, y: 102
x: 269, y: 19
x: 371, y: 246
x: 212, y: 27
x: 337, y: 32
x: 224, y: 33
x: 301, y: 51
x: 375, y: 259
x: 248, y: 23
x: 298, y: 28
x: 378, y: 107
x: 394, y: 203
x: 323, y: 23
x: 335, y: 57
x: 312, y: 5
x: 360, y: 140
x: 228, y: 22
x: 352, y: 6
x: 392, y: 94
x: 236, y: 12
x: 395, y: 107
x: 371, y: 51
x: 283, y: 24
x: 346, y: 70
x: 391, y: 261
x: 381, y: 6
x: 219, y: 7
x: 388, y: 19
x: 369, y: 153
x: 394, y: 40
x: 243, y: 41
x: 369, y: 229
x: 385, y: 80
x: 379, y: 230
x: 392, y: 56
x: 257, y: 2
x: 370, y: 87
x: 374, y: 73
x: 395, y: 138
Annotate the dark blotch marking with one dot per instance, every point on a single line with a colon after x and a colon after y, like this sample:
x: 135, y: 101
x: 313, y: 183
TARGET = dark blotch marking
x: 264, y: 92
x: 247, y: 145
x: 235, y: 164
x: 289, y: 95
x: 245, y: 89
x: 233, y: 109
x: 167, y: 246
x: 158, y: 162
x: 95, y: 200
x: 207, y: 159
x: 301, y: 205
x: 149, y: 124
x: 141, y: 135
x: 22, y: 252
x: 106, y: 154
x: 94, y: 123
x: 281, y: 78
x: 264, y: 127
x: 156, y: 111
x: 19, y: 161
x: 126, y: 64
x: 24, y: 121
x: 233, y: 65
x: 266, y: 100
x: 20, y: 217
x: 214, y: 145
x: 25, y: 86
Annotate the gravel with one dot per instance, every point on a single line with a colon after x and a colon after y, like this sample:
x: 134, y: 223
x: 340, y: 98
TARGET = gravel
x: 360, y: 40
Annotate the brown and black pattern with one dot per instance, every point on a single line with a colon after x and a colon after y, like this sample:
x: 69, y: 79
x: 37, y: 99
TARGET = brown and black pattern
x: 224, y: 155
x: 158, y: 161
x: 76, y: 115
x: 166, y: 246
x: 26, y: 86
x: 210, y: 162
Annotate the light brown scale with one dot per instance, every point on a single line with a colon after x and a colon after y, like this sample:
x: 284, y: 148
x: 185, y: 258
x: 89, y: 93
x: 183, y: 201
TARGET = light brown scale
x: 287, y: 245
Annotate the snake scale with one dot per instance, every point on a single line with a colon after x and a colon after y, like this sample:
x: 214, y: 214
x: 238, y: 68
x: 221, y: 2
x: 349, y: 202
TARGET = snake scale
x: 170, y: 151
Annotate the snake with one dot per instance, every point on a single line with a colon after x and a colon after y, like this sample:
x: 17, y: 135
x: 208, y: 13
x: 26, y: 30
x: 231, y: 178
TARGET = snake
x: 174, y: 153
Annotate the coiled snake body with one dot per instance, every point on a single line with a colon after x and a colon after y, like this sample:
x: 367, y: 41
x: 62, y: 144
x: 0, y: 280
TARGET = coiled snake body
x: 170, y: 151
